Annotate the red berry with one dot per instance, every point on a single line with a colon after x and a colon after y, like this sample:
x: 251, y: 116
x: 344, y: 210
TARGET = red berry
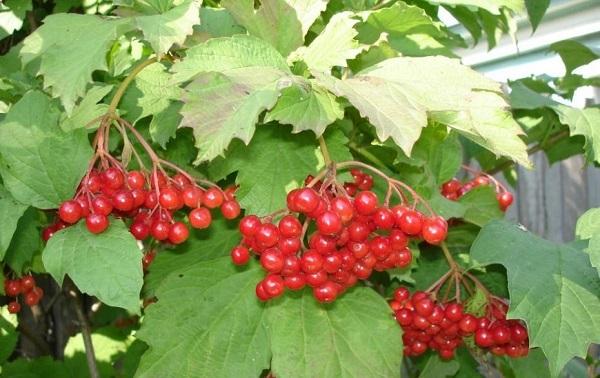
x: 451, y: 186
x: 200, y: 218
x: 113, y: 178
x: 33, y: 297
x: 170, y: 198
x: 290, y: 227
x: 93, y: 183
x: 295, y: 281
x: 401, y: 294
x: 181, y: 180
x: 151, y: 200
x: 160, y: 230
x: 13, y: 287
x: 505, y: 199
x: 136, y: 180
x: 311, y: 262
x: 230, y: 209
x: 139, y: 197
x: 267, y: 235
x: 411, y: 222
x: 434, y: 230
x: 331, y: 263
x: 14, y: 307
x: 192, y: 196
x: 365, y: 202
x: 446, y: 354
x: 272, y: 260
x: 289, y: 246
x: 273, y: 285
x: 213, y: 198
x: 468, y: 324
x: 139, y: 230
x: 249, y: 225
x: 518, y: 333
x: 404, y: 317
x: 403, y: 258
x: 358, y: 231
x: 102, y: 205
x: 147, y: 259
x: 240, y: 255
x: 306, y: 200
x: 261, y: 292
x: 343, y: 207
x: 325, y: 293
x: 123, y: 200
x: 178, y: 233
x: 454, y: 312
x: 483, y: 338
x: 424, y: 307
x: 96, y: 223
x: 27, y: 282
x: 384, y: 218
x: 501, y: 335
x: 70, y: 211
x: 329, y: 223
x: 316, y: 279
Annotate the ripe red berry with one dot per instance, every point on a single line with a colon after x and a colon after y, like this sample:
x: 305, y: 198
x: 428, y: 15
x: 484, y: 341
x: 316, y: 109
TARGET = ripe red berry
x: 181, y: 180
x: 290, y: 227
x: 411, y: 222
x: 468, y: 324
x: 306, y: 200
x: 272, y: 260
x: 273, y: 285
x: 178, y: 233
x: 249, y: 225
x: 200, y: 218
x: 151, y: 200
x: 483, y: 338
x: 500, y: 334
x: 213, y: 198
x: 230, y: 209
x: 316, y: 279
x: 384, y: 218
x: 70, y: 211
x: 192, y: 196
x: 27, y: 282
x: 329, y: 223
x: 454, y: 312
x: 434, y: 230
x: 102, y: 205
x: 139, y: 230
x: 295, y: 281
x: 240, y: 255
x: 404, y: 317
x: 401, y: 294
x: 12, y: 288
x: 261, y: 292
x: 93, y: 183
x: 112, y: 178
x: 424, y: 307
x: 325, y: 293
x: 123, y: 200
x: 505, y: 199
x: 170, y: 198
x: 33, y: 297
x: 518, y: 333
x: 451, y: 186
x: 160, y: 230
x: 96, y: 223
x: 267, y: 235
x: 14, y: 307
x: 343, y: 207
x: 311, y: 262
x: 136, y: 180
x: 147, y: 259
x: 446, y: 354
x: 365, y: 202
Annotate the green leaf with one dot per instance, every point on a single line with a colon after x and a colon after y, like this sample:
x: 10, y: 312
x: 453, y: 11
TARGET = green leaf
x: 536, y: 9
x: 306, y: 107
x: 263, y: 184
x: 573, y: 54
x: 12, y: 14
x: 438, y: 368
x: 552, y: 287
x: 337, y: 144
x: 397, y: 95
x: 202, y: 245
x: 534, y: 364
x: 225, y: 55
x: 206, y: 309
x: 216, y: 22
x: 70, y: 47
x: 357, y: 331
x: 275, y: 22
x: 481, y: 205
x: 588, y: 227
x: 107, y: 265
x: 8, y: 334
x: 10, y: 212
x: 41, y: 367
x: 171, y: 27
x: 88, y: 109
x: 522, y: 97
x: 333, y: 46
x: 492, y: 6
x: 24, y: 245
x: 151, y: 93
x: 307, y: 11
x: 583, y: 122
x: 163, y: 125
x: 33, y: 149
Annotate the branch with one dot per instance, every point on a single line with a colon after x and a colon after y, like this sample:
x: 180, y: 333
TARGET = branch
x: 121, y: 90
x: 552, y: 140
x: 85, y: 329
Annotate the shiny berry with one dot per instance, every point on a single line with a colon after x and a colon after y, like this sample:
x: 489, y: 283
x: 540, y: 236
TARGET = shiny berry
x: 200, y: 218
x: 230, y: 209
x: 365, y: 202
x: 14, y: 307
x: 240, y: 255
x: 70, y: 211
x: 178, y: 233
x: 96, y: 223
x: 213, y: 198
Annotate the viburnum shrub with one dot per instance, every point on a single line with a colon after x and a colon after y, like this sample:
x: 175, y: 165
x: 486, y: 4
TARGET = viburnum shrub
x: 330, y: 235
x: 289, y: 189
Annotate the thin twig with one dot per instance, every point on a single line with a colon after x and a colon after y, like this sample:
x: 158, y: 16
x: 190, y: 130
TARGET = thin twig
x: 85, y: 330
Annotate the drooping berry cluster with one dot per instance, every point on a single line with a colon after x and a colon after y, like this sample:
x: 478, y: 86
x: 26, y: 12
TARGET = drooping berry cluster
x: 353, y: 236
x: 442, y: 327
x: 151, y: 199
x: 26, y: 287
x: 454, y: 189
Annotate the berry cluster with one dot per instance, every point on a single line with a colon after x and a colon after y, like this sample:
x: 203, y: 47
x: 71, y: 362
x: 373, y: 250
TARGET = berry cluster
x: 354, y: 235
x: 151, y: 199
x: 442, y: 327
x: 454, y: 189
x: 25, y: 286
